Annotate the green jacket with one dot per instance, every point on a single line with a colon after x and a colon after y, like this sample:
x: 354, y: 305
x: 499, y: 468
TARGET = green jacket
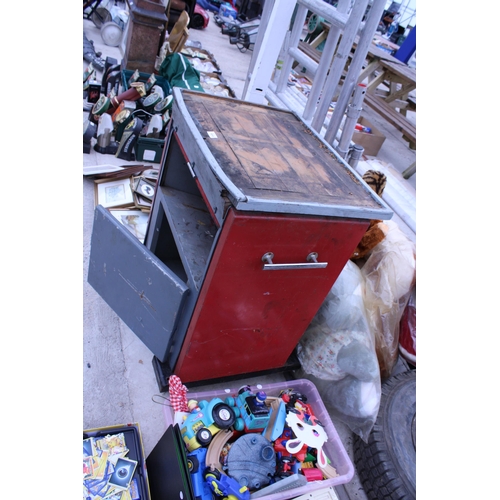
x: 177, y: 69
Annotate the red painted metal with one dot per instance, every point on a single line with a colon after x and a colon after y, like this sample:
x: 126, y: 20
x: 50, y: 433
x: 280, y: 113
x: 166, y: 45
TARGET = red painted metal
x: 247, y: 319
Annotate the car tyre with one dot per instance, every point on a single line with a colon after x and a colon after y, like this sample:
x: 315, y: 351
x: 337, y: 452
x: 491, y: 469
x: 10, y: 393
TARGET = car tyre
x: 386, y: 464
x: 197, y: 22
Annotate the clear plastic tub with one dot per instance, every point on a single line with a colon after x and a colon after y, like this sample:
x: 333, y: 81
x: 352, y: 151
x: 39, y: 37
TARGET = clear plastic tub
x: 333, y: 448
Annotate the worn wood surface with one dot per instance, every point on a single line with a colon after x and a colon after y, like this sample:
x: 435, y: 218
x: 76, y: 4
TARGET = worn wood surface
x: 403, y: 71
x: 269, y: 153
x: 394, y: 117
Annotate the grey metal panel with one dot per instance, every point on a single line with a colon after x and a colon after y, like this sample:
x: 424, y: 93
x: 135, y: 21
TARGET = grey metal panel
x: 213, y: 179
x: 336, y: 178
x: 143, y: 291
x: 210, y: 184
x: 281, y: 206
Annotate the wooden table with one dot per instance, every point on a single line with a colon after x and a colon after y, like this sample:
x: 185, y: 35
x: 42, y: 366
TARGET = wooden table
x: 400, y: 80
x: 393, y: 102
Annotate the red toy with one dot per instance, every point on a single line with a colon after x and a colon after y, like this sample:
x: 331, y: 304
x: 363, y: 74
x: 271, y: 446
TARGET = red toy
x: 200, y: 17
x: 280, y: 446
x: 312, y: 474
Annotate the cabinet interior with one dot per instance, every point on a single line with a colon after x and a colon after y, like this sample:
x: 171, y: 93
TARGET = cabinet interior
x: 184, y: 231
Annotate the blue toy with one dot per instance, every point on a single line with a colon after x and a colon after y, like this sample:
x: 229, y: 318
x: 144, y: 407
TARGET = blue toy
x: 250, y: 409
x: 276, y: 424
x: 225, y: 487
x: 197, y: 465
x: 205, y: 420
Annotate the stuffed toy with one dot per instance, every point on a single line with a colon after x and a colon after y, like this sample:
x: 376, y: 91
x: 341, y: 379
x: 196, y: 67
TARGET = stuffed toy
x: 377, y: 229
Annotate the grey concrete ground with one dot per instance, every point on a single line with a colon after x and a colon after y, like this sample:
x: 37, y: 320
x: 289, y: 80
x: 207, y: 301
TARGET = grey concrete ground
x: 119, y: 385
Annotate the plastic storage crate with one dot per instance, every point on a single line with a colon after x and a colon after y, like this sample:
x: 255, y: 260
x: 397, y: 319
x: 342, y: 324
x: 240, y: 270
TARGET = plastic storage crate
x: 333, y: 448
x: 149, y: 150
x: 133, y: 440
x: 143, y: 77
x: 227, y: 11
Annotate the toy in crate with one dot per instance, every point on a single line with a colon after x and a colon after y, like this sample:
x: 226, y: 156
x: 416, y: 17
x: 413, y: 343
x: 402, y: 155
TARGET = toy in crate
x: 265, y: 442
x: 251, y: 411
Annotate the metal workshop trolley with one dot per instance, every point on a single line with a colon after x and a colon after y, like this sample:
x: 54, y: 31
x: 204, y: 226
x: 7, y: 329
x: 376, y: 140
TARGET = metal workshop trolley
x: 253, y: 219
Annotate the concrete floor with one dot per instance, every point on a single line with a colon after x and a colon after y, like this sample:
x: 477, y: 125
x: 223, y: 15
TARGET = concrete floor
x: 119, y: 385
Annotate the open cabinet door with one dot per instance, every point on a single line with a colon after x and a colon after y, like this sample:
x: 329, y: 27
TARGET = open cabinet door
x: 136, y: 284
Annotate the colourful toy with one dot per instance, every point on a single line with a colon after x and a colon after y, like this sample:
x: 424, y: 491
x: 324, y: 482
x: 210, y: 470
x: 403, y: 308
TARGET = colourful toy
x: 312, y: 474
x: 196, y: 463
x: 286, y: 465
x: 276, y: 424
x: 296, y: 401
x: 250, y: 409
x: 251, y: 461
x: 308, y: 432
x: 224, y: 486
x: 280, y: 446
x: 205, y: 420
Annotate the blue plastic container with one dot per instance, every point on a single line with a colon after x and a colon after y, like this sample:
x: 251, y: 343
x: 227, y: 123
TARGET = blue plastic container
x: 227, y: 11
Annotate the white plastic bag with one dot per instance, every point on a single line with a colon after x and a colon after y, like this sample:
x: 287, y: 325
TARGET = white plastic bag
x: 337, y: 353
x: 389, y: 275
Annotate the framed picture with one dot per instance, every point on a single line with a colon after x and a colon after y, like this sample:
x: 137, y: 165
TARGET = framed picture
x: 145, y: 188
x: 136, y: 221
x: 116, y: 193
x: 142, y: 203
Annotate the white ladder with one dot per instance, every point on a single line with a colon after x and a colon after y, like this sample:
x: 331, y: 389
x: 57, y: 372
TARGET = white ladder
x: 275, y: 39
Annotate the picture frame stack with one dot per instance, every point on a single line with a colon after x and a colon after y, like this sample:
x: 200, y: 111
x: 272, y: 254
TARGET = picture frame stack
x: 128, y: 194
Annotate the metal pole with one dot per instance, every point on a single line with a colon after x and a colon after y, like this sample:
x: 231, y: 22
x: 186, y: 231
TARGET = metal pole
x: 339, y: 62
x: 355, y: 153
x: 410, y: 170
x: 321, y: 74
x: 274, y: 24
x: 357, y: 62
x: 353, y: 112
x: 293, y: 40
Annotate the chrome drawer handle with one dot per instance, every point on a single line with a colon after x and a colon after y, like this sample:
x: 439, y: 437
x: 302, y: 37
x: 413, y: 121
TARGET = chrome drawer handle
x: 312, y: 263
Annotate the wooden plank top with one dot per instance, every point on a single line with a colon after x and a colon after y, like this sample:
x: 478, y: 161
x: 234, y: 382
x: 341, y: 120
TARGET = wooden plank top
x: 378, y: 53
x: 402, y: 70
x: 270, y: 154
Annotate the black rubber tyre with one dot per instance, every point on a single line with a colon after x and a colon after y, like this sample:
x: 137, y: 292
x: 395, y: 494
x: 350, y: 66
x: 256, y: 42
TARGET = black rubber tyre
x: 193, y: 464
x: 223, y: 416
x: 197, y: 22
x: 386, y: 465
x: 204, y: 436
x: 216, y: 474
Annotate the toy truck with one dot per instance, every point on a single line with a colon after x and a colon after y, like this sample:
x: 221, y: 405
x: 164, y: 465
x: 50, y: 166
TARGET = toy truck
x: 205, y: 420
x: 225, y: 487
x: 252, y: 414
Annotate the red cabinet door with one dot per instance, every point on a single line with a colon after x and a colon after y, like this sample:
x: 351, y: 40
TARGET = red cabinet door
x: 249, y: 319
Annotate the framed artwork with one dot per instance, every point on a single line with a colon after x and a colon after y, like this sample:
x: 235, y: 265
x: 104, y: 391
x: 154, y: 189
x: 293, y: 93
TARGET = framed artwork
x: 116, y: 193
x: 136, y: 221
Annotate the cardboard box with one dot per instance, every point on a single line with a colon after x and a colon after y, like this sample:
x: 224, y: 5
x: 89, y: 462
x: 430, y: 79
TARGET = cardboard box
x: 371, y: 142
